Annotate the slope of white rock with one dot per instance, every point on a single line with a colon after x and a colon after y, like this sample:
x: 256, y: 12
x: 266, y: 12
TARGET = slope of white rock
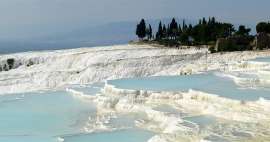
x: 53, y: 69
x: 34, y: 71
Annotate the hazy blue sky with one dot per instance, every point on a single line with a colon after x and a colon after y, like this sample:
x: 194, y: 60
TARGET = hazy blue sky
x: 27, y: 18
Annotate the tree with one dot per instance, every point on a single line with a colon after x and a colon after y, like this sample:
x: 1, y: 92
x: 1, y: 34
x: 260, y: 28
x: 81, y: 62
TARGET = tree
x: 164, y: 31
x: 189, y: 29
x: 173, y: 28
x: 179, y: 33
x: 242, y: 31
x: 184, y: 26
x: 184, y: 38
x: 141, y: 29
x: 263, y: 27
x: 205, y: 32
x: 204, y: 21
x: 200, y: 22
x: 138, y: 31
x: 5, y: 68
x: 227, y: 29
x: 159, y: 34
x: 10, y: 63
x: 149, y: 32
x: 213, y: 20
x: 168, y: 32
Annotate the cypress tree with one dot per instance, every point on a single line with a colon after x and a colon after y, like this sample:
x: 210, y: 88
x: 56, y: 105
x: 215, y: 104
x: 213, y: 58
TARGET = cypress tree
x: 205, y: 32
x: 141, y: 29
x: 164, y: 31
x: 204, y: 21
x: 183, y: 25
x: 189, y: 29
x: 179, y: 31
x: 138, y: 30
x: 173, y: 29
x: 169, y: 32
x: 159, y: 32
x: 200, y: 22
x: 213, y: 20
x: 149, y: 32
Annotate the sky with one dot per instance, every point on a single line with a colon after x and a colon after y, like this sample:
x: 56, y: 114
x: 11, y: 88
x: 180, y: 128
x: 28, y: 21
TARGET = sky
x: 37, y: 18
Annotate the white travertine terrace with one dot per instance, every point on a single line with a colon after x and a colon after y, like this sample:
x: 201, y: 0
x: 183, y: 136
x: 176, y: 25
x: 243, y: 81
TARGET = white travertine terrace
x: 35, y: 71
x: 53, y: 69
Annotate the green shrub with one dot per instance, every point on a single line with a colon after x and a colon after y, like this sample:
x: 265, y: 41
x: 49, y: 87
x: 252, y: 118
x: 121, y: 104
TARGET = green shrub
x: 10, y: 63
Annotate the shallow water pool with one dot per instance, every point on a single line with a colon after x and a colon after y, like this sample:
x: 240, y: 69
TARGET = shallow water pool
x: 206, y: 82
x: 131, y: 135
x: 88, y: 89
x: 262, y: 59
x: 41, y: 116
x: 53, y: 115
x: 202, y: 120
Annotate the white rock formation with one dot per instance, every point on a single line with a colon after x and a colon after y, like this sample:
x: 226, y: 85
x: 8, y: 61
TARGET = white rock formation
x: 52, y: 69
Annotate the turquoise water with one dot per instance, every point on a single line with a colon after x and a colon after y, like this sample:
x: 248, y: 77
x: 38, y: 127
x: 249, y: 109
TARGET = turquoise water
x: 88, y: 89
x: 166, y: 109
x: 215, y: 138
x: 206, y: 82
x: 262, y: 59
x: 202, y: 120
x: 132, y: 135
x: 44, y: 117
x: 41, y: 116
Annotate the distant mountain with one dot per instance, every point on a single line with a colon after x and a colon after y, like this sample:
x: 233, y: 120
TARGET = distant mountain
x: 105, y: 34
x: 111, y: 33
